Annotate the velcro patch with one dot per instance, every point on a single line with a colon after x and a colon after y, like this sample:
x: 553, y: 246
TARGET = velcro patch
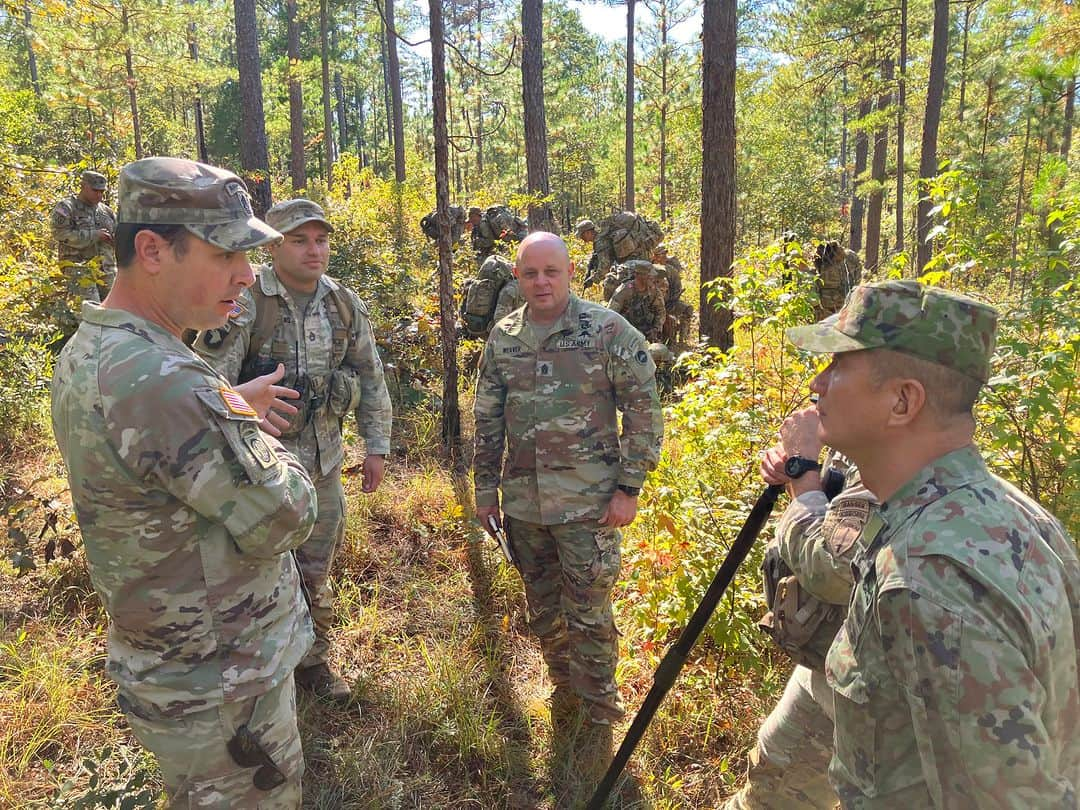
x: 236, y: 403
x: 844, y: 523
x: 260, y: 450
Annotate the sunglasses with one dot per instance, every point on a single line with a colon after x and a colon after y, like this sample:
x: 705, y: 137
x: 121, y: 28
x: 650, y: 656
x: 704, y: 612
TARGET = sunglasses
x: 247, y: 752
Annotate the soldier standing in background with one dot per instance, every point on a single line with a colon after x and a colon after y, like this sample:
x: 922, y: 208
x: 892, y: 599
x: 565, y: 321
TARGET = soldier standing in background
x: 955, y: 672
x: 83, y: 227
x: 680, y: 315
x: 641, y: 301
x: 553, y: 376
x: 585, y: 230
x: 187, y: 510
x: 816, y: 539
x: 839, y: 271
x: 298, y: 317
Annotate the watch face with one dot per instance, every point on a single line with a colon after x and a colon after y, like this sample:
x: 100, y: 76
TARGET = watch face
x: 797, y: 465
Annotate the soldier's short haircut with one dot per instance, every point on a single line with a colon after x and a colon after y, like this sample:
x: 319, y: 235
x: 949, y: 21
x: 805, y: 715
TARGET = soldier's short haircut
x: 124, y: 239
x: 948, y: 392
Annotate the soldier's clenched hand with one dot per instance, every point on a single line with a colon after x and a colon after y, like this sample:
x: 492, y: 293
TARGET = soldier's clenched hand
x: 621, y: 510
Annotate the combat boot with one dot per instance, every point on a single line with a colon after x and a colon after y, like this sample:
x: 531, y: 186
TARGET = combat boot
x: 325, y: 684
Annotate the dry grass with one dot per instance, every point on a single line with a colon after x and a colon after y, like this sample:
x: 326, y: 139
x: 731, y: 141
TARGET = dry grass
x: 432, y: 628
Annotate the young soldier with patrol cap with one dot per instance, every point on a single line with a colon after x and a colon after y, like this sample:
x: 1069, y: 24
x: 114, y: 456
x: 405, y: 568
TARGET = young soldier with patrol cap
x: 188, y: 511
x: 552, y: 378
x: 83, y: 226
x: 955, y: 672
x: 297, y: 317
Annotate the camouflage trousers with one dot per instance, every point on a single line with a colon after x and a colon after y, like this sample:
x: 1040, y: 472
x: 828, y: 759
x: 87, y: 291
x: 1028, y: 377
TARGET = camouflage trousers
x: 315, y: 558
x: 199, y: 771
x: 788, y: 768
x: 569, y: 570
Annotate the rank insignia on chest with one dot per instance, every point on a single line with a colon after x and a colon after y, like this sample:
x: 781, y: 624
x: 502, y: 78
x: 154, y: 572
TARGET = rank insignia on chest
x: 236, y: 403
x: 544, y: 368
x: 212, y: 338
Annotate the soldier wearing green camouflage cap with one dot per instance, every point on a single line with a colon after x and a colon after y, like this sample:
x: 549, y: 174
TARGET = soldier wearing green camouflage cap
x: 188, y: 511
x: 83, y: 226
x: 641, y: 300
x: 955, y: 672
x: 298, y: 321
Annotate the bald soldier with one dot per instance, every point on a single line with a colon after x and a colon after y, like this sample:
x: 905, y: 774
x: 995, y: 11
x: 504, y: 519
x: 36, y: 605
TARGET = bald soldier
x: 955, y: 672
x: 83, y: 226
x: 297, y: 319
x: 188, y: 512
x: 553, y: 377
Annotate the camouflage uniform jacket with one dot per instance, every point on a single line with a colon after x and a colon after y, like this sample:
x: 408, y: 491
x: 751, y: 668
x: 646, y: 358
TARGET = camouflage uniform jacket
x: 836, y: 280
x: 510, y: 298
x: 553, y: 408
x: 75, y: 225
x: 188, y: 512
x: 644, y: 310
x: 342, y: 367
x: 817, y: 539
x: 674, y: 270
x: 955, y: 673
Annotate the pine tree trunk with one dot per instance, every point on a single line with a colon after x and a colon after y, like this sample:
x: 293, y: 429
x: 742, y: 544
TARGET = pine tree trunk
x: 200, y: 129
x: 877, y: 174
x: 964, y: 59
x: 393, y: 75
x: 900, y: 114
x: 532, y: 92
x: 718, y: 171
x: 663, y: 110
x: 451, y: 413
x: 253, y: 153
x: 479, y: 93
x: 31, y: 57
x: 328, y: 120
x: 928, y: 162
x: 297, y: 158
x: 133, y: 98
x: 858, y: 201
x: 629, y: 146
x: 1070, y: 107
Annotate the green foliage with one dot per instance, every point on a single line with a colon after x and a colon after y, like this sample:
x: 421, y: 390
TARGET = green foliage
x: 123, y: 778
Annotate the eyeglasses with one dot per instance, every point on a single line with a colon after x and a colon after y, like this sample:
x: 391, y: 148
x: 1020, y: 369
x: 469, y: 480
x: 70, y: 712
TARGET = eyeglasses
x: 247, y: 752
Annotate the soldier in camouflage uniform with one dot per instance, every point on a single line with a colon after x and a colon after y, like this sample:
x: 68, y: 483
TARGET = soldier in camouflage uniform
x: 816, y: 538
x: 485, y: 234
x: 188, y: 512
x: 838, y: 271
x: 510, y: 298
x: 955, y: 672
x: 680, y: 315
x: 585, y: 230
x: 83, y: 227
x: 641, y: 301
x: 298, y: 317
x: 552, y: 378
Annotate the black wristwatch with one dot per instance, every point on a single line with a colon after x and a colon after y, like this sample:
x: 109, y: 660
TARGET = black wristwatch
x: 796, y: 466
x: 633, y: 492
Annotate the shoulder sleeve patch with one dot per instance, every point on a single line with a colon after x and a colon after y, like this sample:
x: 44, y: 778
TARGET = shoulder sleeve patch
x: 254, y: 454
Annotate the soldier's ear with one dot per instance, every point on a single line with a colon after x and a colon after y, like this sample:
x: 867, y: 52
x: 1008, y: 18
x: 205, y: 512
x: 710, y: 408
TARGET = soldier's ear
x: 573, y: 267
x: 148, y: 250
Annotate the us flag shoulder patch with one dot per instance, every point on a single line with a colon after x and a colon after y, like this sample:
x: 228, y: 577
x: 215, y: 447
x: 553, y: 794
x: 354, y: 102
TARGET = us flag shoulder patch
x: 236, y: 403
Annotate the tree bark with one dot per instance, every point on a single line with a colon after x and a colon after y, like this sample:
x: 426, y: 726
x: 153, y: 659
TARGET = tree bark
x: 480, y: 91
x: 663, y: 109
x: 629, y: 146
x: 133, y: 98
x: 361, y: 148
x: 297, y: 158
x: 963, y: 59
x: 328, y: 120
x: 200, y: 129
x: 451, y: 413
x: 858, y: 201
x: 1019, y: 208
x: 393, y: 75
x: 1070, y: 107
x: 928, y: 162
x: 877, y: 173
x: 532, y: 93
x: 900, y: 114
x: 253, y: 154
x: 718, y: 171
x: 339, y: 99
x: 31, y: 57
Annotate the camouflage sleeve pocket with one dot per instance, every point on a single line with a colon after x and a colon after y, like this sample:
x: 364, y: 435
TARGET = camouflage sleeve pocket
x: 239, y: 424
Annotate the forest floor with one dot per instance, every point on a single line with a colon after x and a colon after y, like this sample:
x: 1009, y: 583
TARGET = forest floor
x: 452, y: 696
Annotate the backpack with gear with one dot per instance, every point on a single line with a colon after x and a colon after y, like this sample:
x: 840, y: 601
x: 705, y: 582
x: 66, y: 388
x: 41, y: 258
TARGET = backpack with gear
x: 481, y: 294
x: 430, y: 225
x: 626, y: 235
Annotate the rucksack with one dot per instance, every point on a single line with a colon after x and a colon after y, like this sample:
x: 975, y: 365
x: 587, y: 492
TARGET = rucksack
x: 499, y: 223
x: 481, y: 294
x: 430, y: 226
x: 625, y: 235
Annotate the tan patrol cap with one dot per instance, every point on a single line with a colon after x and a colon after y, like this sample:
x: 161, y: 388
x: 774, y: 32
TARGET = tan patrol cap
x: 209, y: 202
x: 584, y: 225
x: 96, y: 180
x: 291, y: 214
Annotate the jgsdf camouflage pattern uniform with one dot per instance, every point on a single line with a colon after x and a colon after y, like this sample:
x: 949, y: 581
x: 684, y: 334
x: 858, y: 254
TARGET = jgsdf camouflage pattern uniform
x: 644, y: 309
x: 788, y: 768
x: 88, y: 262
x: 955, y: 672
x: 188, y: 514
x: 340, y: 372
x: 548, y: 396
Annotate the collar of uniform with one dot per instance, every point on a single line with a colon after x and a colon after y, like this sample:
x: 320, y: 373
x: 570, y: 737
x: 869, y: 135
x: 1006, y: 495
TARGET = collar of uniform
x: 122, y: 319
x: 565, y: 323
x: 952, y: 471
x: 270, y: 284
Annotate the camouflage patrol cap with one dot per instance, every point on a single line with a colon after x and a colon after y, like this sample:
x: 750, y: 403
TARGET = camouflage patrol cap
x: 475, y: 212
x: 209, y: 202
x: 583, y: 226
x: 96, y: 180
x: 943, y: 327
x: 291, y: 214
